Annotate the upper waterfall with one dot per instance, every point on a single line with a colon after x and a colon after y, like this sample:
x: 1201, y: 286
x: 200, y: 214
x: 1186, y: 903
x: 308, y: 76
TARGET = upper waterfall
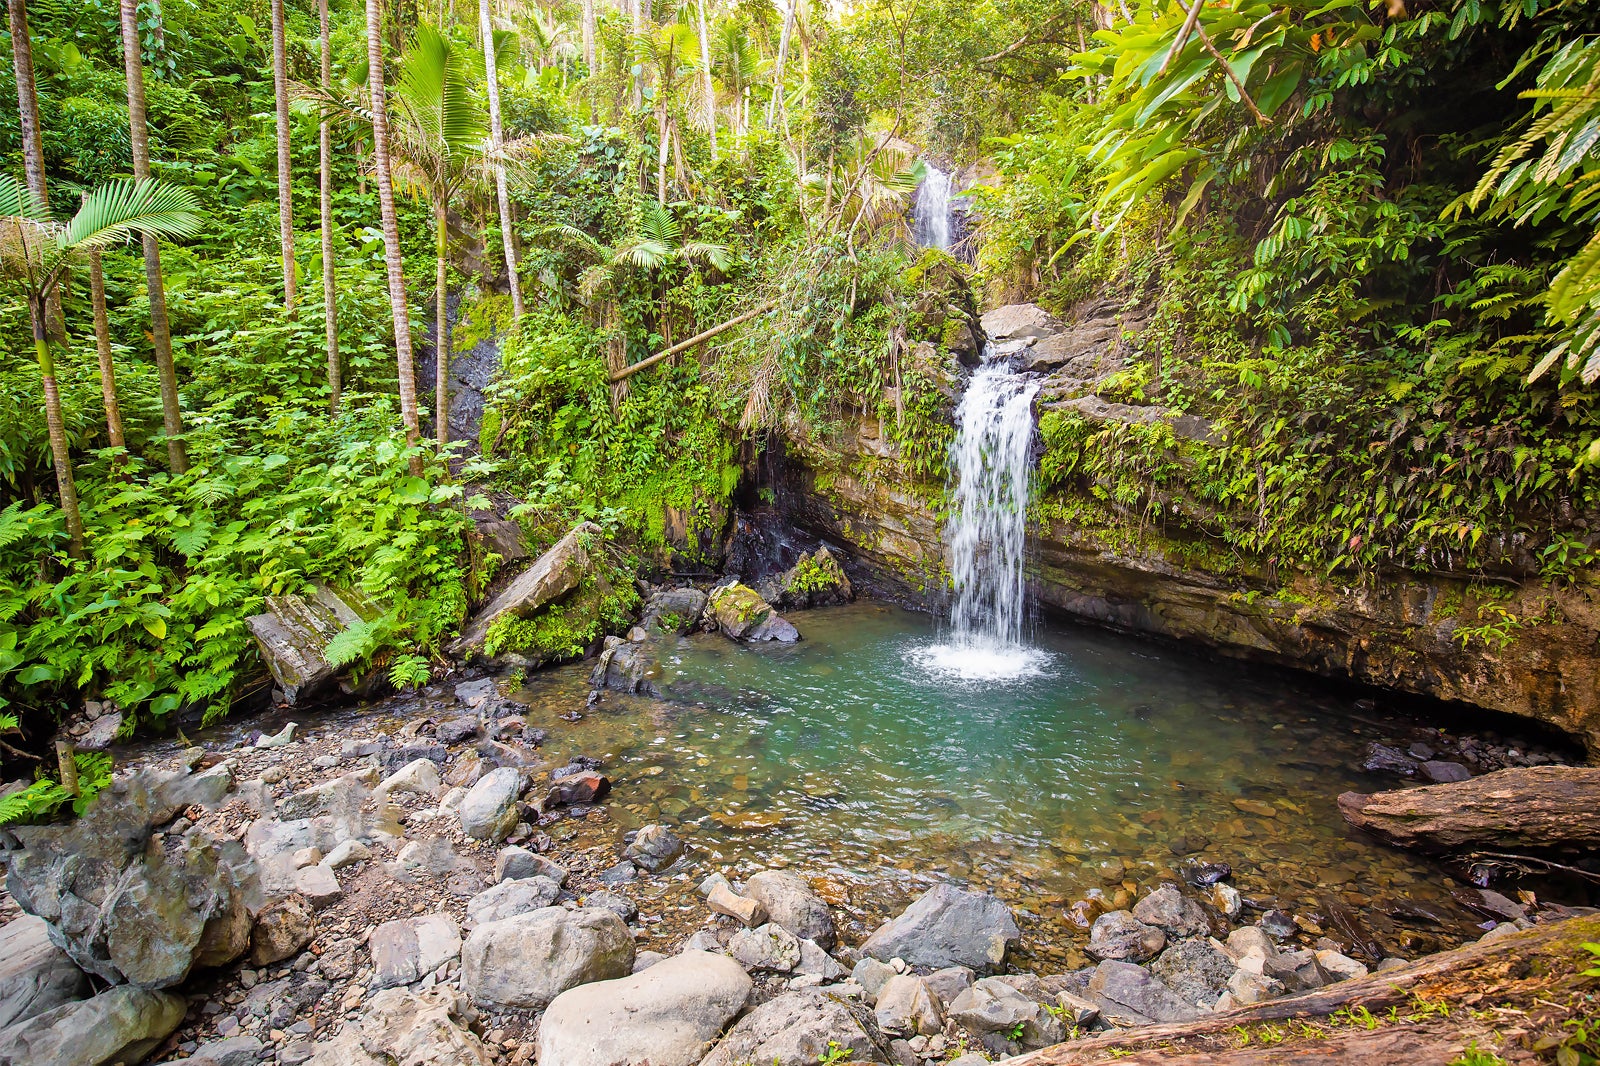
x: 931, y: 212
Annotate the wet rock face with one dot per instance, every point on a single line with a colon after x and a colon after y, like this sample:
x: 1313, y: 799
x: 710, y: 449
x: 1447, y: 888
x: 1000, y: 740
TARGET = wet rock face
x: 130, y: 904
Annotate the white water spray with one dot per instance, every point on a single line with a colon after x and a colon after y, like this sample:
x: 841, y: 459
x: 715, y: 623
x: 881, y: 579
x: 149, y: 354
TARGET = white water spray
x: 987, y: 531
x: 930, y: 217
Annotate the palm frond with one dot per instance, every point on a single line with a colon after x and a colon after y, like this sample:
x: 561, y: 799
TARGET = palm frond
x: 17, y: 200
x: 119, y: 209
x: 715, y: 254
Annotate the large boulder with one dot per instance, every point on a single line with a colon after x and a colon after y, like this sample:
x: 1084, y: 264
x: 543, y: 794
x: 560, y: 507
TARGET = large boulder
x: 122, y: 1024
x: 127, y: 903
x: 742, y: 614
x: 553, y: 575
x: 796, y: 1030
x: 947, y: 926
x: 1196, y: 971
x: 294, y: 633
x: 1020, y: 322
x: 489, y: 809
x: 35, y: 975
x: 667, y: 1015
x: 791, y: 903
x: 530, y: 959
x: 509, y: 898
x: 673, y: 611
x: 816, y: 580
x: 402, y: 1028
x: 1122, y: 988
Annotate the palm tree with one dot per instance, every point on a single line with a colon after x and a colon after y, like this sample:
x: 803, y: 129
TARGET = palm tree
x: 491, y: 75
x: 737, y: 66
x: 391, y: 226
x: 666, y: 51
x: 551, y: 39
x: 35, y: 252
x: 330, y: 313
x: 280, y: 92
x: 27, y: 99
x: 160, y: 330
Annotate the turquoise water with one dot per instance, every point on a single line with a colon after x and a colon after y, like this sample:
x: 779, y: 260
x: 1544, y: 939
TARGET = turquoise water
x: 845, y: 757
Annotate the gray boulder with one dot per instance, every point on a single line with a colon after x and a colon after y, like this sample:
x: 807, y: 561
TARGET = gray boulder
x: 128, y: 905
x: 1020, y: 322
x: 628, y: 666
x: 673, y: 611
x: 122, y: 1024
x: 742, y: 614
x: 553, y: 575
x: 769, y: 947
x: 530, y: 959
x: 905, y: 1007
x: 796, y: 1030
x: 235, y: 1051
x: 402, y: 1028
x: 1121, y: 988
x: 666, y: 1015
x: 510, y: 898
x: 514, y: 863
x: 948, y: 927
x: 294, y: 633
x: 489, y: 809
x: 790, y: 903
x: 815, y: 580
x: 654, y: 848
x: 35, y: 975
x: 1172, y: 911
x: 1119, y: 935
x: 992, y: 1005
x: 408, y: 949
x: 1194, y: 970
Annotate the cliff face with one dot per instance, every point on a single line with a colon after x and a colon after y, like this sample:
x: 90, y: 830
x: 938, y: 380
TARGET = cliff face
x: 1404, y: 631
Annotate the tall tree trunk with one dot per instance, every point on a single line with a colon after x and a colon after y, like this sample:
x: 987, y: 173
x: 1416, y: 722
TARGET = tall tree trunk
x: 710, y: 84
x: 588, y: 36
x: 330, y: 281
x: 775, y: 105
x: 280, y: 91
x: 496, y: 139
x: 57, y: 428
x: 391, y: 227
x: 633, y: 49
x: 441, y: 318
x: 661, y: 156
x: 27, y: 99
x: 102, y: 343
x: 160, y: 331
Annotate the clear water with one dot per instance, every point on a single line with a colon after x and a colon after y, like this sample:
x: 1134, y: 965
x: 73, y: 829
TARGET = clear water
x: 991, y: 460
x: 930, y: 215
x: 845, y: 757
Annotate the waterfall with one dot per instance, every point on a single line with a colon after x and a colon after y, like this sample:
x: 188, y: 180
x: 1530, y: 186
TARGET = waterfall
x: 991, y: 461
x: 931, y: 215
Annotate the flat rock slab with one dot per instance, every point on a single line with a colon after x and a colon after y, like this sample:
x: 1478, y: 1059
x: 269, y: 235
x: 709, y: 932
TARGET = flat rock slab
x: 35, y: 975
x: 294, y: 633
x: 553, y: 575
x: 1539, y: 809
x: 122, y: 1024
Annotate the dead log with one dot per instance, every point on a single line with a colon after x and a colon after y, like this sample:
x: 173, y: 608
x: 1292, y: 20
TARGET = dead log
x: 1534, y: 809
x: 1511, y: 970
x: 698, y: 338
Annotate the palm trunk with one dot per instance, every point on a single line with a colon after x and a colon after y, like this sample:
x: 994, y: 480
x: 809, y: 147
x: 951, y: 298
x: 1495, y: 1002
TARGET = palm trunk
x: 280, y: 90
x: 391, y: 227
x: 330, y: 281
x: 57, y: 428
x: 710, y: 85
x: 496, y: 139
x: 102, y: 343
x: 638, y: 31
x: 27, y: 99
x: 661, y: 156
x: 775, y: 105
x: 441, y: 319
x: 160, y: 331
x: 588, y: 36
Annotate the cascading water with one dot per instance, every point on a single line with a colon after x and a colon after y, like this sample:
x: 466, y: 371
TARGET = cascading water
x: 930, y: 218
x: 992, y: 462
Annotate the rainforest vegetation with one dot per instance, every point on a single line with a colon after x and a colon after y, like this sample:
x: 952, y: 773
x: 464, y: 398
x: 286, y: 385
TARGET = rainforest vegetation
x: 1362, y: 237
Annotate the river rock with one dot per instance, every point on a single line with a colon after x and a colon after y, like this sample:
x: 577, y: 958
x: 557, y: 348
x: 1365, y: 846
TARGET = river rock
x: 584, y: 786
x: 950, y: 982
x: 1384, y: 759
x: 489, y: 809
x: 725, y: 900
x: 1340, y: 967
x: 1246, y: 988
x: 121, y: 1024
x: 318, y: 884
x: 654, y: 848
x: 402, y: 1028
x: 905, y: 1007
x: 790, y: 902
x: 553, y: 575
x: 281, y: 930
x: 235, y: 1051
x: 408, y: 949
x: 741, y: 614
x: 530, y: 959
x: 872, y: 975
x: 514, y: 863
x: 992, y: 1005
x: 947, y: 926
x: 673, y: 611
x: 796, y: 1029
x: 1127, y: 987
x: 1194, y: 970
x: 816, y: 580
x: 35, y: 975
x: 617, y: 904
x: 510, y: 898
x: 1172, y: 911
x: 294, y: 632
x: 631, y: 667
x: 769, y: 947
x: 1296, y: 969
x: 666, y: 1015
x: 419, y: 776
x: 129, y: 904
x: 347, y: 853
x: 1020, y: 322
x: 339, y: 797
x: 1120, y: 936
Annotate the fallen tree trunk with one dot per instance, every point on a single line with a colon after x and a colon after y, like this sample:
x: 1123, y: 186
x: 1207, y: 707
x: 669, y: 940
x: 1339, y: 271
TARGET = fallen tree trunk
x: 1500, y: 979
x: 1540, y: 809
x: 698, y: 338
